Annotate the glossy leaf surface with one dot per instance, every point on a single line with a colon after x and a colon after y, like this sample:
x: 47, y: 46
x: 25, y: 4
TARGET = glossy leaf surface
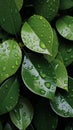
x: 44, y: 117
x: 54, y: 48
x: 39, y: 76
x: 22, y: 114
x: 37, y: 35
x: 10, y: 59
x: 9, y: 93
x: 19, y: 4
x: 66, y: 50
x: 61, y: 74
x: 10, y: 19
x: 66, y: 4
x: 63, y: 103
x: 64, y: 26
x: 46, y: 8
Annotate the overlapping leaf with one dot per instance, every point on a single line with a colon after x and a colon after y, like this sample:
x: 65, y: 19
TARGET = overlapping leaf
x: 46, y: 8
x: 9, y: 93
x: 66, y: 4
x: 44, y: 117
x: 22, y: 114
x: 61, y: 74
x: 19, y: 4
x: 64, y: 26
x: 39, y: 76
x: 63, y: 103
x: 10, y: 19
x: 10, y: 59
x: 37, y: 35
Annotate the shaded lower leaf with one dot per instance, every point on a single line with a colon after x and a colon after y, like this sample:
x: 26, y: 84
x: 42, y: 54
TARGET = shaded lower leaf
x: 61, y: 74
x: 66, y: 4
x: 7, y: 127
x: 63, y: 103
x: 38, y: 76
x: 9, y: 94
x: 22, y: 114
x: 0, y: 126
x: 44, y: 117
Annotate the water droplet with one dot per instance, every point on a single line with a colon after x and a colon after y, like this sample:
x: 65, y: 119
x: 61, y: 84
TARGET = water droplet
x: 35, y: 77
x: 69, y: 50
x: 47, y: 84
x: 16, y: 63
x: 3, y: 19
x: 42, y: 92
x: 42, y: 74
x: 24, y: 114
x: 4, y: 68
x: 41, y: 17
x: 71, y: 56
x: 14, y: 47
x: 11, y: 97
x: 16, y: 55
x: 1, y: 75
x: 13, y: 67
x: 42, y: 45
x: 66, y: 59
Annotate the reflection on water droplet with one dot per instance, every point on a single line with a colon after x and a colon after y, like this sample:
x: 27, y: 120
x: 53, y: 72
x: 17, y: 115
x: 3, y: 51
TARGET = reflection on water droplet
x: 42, y: 92
x: 47, y: 84
x: 42, y: 74
x: 42, y: 45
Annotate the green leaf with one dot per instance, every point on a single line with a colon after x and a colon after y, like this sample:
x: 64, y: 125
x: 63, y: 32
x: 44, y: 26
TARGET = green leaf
x: 10, y: 59
x: 54, y: 48
x: 37, y: 35
x: 22, y: 114
x: 39, y: 76
x: 0, y: 125
x: 10, y: 19
x: 44, y: 117
x: 46, y: 8
x: 66, y: 4
x: 61, y: 74
x: 66, y: 50
x: 19, y: 4
x: 7, y: 127
x: 62, y: 104
x: 64, y: 26
x: 9, y: 93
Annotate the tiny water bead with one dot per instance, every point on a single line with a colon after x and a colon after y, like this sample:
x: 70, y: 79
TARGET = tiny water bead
x: 43, y: 92
x: 13, y: 67
x: 43, y: 75
x: 3, y: 19
x: 4, y: 68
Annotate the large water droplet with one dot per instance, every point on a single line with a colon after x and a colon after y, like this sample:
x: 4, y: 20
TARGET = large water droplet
x: 3, y: 19
x: 47, y: 84
x: 42, y: 45
x: 16, y: 62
